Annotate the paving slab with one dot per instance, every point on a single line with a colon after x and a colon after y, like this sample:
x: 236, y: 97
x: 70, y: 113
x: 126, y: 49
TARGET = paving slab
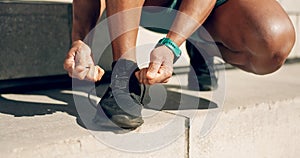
x: 47, y: 124
x: 266, y: 130
x: 258, y: 118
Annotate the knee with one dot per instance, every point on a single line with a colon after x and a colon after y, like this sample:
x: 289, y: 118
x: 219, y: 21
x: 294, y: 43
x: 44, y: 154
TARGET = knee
x: 267, y: 65
x: 274, y: 47
x: 271, y: 61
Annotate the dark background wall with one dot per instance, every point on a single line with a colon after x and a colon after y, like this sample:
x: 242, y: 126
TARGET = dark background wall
x: 34, y: 39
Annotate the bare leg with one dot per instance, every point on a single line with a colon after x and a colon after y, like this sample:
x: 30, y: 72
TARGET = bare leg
x: 254, y: 35
x: 124, y: 25
x: 85, y: 16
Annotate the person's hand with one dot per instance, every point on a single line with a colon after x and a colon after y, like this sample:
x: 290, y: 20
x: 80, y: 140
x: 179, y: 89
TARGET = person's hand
x: 160, y: 68
x: 79, y: 63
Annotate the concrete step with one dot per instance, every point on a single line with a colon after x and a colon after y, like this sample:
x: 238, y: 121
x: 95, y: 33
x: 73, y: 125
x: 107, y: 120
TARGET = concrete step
x: 39, y: 124
x: 248, y: 116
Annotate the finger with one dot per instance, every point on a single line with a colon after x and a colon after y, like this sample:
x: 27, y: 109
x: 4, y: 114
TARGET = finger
x: 70, y: 74
x: 153, y: 70
x: 69, y: 63
x: 83, y: 56
x: 100, y: 73
x: 166, y: 73
x: 137, y: 75
x: 77, y: 72
x: 144, y: 79
x: 162, y: 76
x: 80, y: 72
x: 166, y: 80
x: 95, y: 73
x: 141, y: 75
x: 90, y: 76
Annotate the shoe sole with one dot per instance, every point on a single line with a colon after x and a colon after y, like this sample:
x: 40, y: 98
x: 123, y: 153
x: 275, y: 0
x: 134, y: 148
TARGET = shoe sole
x: 125, y: 122
x: 121, y: 121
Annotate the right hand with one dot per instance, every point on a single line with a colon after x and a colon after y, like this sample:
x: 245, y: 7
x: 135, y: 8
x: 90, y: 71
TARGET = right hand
x: 160, y: 68
x: 79, y: 63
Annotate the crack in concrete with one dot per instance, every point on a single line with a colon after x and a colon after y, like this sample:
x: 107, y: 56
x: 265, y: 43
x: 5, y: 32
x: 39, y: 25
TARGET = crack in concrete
x: 187, y: 125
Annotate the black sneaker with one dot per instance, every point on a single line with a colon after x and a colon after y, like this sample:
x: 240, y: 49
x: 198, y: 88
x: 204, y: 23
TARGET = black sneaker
x: 121, y: 102
x: 202, y: 74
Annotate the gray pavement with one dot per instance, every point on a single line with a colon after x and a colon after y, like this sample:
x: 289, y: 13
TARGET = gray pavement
x: 256, y: 116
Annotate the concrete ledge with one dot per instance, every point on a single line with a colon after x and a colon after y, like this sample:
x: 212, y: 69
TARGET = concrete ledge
x: 259, y: 118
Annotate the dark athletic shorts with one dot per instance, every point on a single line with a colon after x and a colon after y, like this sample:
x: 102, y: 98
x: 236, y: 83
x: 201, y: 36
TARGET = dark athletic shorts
x: 161, y: 21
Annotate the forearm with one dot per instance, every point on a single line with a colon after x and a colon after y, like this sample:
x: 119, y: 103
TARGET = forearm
x: 85, y: 16
x: 191, y: 15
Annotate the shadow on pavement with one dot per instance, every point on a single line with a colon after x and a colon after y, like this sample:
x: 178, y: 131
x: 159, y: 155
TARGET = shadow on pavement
x: 175, y: 100
x: 19, y: 108
x: 26, y: 108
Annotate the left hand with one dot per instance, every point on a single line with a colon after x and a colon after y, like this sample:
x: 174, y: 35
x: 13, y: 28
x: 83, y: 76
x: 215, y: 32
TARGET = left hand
x: 79, y: 63
x: 160, y: 68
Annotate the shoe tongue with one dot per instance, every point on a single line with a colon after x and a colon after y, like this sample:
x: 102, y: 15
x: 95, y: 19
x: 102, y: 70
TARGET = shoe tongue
x: 121, y: 75
x: 124, y: 65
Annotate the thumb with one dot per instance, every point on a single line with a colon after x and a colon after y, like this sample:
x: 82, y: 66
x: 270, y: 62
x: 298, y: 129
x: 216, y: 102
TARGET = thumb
x: 153, y: 70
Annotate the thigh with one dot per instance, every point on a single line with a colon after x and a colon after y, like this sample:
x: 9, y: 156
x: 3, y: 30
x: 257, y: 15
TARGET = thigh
x: 242, y: 24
